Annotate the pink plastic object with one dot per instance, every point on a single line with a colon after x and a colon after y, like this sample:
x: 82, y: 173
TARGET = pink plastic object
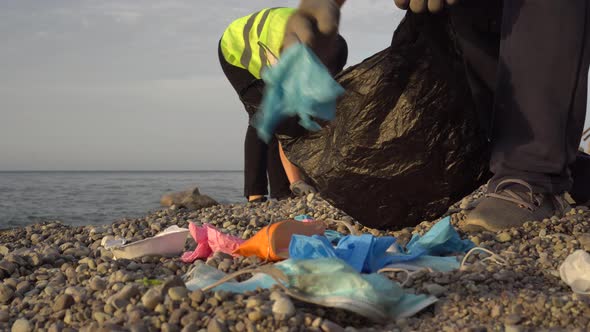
x: 209, y: 240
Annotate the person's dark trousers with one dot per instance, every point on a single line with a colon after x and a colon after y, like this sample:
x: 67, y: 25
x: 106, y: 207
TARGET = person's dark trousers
x: 259, y: 158
x: 538, y: 86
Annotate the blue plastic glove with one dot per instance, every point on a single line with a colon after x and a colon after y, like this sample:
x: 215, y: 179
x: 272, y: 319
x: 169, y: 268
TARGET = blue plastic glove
x: 298, y: 85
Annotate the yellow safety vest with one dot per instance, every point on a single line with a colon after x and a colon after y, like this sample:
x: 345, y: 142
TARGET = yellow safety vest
x: 239, y: 44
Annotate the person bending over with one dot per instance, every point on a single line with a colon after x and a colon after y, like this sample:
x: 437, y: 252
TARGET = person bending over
x: 247, y: 47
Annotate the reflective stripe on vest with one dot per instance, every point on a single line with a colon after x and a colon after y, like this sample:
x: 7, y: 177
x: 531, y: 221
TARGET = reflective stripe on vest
x: 239, y: 44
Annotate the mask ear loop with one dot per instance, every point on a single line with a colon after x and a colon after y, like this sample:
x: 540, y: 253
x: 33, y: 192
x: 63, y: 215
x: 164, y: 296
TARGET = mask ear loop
x: 493, y: 257
x: 408, y: 273
x: 351, y: 229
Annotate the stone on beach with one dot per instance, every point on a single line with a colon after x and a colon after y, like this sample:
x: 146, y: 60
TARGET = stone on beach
x: 190, y: 199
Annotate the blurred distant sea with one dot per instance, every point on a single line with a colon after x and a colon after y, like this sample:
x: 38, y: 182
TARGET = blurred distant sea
x: 84, y: 198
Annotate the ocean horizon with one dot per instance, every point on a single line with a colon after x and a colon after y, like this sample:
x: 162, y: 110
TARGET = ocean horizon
x: 84, y: 197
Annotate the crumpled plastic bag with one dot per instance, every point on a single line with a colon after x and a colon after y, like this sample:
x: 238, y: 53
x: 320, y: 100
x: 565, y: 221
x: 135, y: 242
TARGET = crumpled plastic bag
x: 575, y: 271
x: 298, y: 85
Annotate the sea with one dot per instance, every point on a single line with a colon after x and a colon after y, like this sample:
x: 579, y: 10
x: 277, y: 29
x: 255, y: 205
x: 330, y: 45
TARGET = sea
x: 97, y: 198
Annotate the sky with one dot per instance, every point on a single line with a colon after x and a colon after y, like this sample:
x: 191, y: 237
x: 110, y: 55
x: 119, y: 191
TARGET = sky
x: 135, y: 85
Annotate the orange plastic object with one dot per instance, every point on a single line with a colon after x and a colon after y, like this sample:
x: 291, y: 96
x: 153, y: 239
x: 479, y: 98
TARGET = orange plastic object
x: 271, y: 243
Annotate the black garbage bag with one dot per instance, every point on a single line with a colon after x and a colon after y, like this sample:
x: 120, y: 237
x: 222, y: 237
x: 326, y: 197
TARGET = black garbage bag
x: 406, y: 142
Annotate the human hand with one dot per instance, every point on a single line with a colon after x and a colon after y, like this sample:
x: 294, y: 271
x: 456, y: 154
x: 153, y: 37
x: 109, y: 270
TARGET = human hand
x: 420, y: 6
x: 301, y: 188
x: 315, y: 24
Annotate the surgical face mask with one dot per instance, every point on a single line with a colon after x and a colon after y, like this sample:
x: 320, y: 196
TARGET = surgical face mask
x: 327, y: 282
x: 203, y: 275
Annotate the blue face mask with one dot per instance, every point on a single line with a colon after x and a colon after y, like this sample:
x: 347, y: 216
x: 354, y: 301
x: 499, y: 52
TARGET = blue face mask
x: 203, y: 275
x: 441, y: 239
x: 436, y: 263
x: 366, y: 253
x: 328, y: 282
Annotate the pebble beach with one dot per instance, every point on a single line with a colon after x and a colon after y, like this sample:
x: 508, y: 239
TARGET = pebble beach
x: 56, y: 277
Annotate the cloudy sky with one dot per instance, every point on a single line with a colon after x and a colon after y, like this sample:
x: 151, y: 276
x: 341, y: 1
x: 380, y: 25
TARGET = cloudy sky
x: 134, y: 84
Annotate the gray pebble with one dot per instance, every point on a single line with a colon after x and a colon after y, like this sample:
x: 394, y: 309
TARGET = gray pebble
x: 329, y: 326
x: 151, y: 298
x: 192, y: 327
x: 283, y: 308
x: 63, y: 302
x: 584, y: 240
x: 4, y: 316
x: 435, y: 289
x: 225, y: 265
x: 512, y: 328
x: 127, y: 292
x: 216, y: 326
x: 7, y: 266
x: 512, y: 319
x: 316, y: 322
x: 503, y: 237
x: 100, y: 317
x: 22, y: 325
x: 6, y: 293
x: 167, y: 327
x: 97, y: 284
x: 23, y: 287
x: 197, y: 296
x: 253, y: 302
x: 178, y: 293
x: 254, y: 316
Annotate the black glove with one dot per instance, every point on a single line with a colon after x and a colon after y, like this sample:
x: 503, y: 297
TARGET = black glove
x: 315, y: 24
x: 420, y: 6
x: 301, y: 188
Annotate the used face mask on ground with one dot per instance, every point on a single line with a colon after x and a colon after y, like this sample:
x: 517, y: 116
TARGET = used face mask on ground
x: 169, y: 242
x: 367, y: 253
x: 327, y: 282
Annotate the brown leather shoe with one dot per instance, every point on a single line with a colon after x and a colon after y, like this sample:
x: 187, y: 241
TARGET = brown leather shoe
x: 511, y: 205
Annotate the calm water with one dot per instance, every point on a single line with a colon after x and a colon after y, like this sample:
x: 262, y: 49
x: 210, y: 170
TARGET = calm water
x: 82, y: 198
